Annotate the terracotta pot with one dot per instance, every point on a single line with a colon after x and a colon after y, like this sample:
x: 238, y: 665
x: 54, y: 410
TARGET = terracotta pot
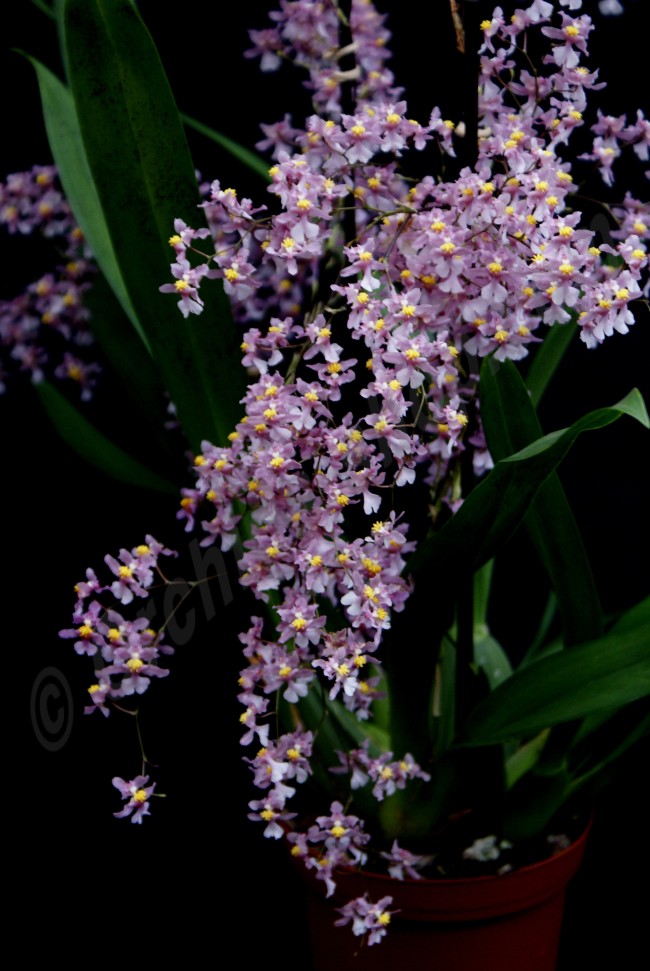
x: 508, y: 922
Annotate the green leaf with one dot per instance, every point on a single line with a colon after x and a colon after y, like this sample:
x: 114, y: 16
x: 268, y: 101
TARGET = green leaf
x: 497, y: 506
x: 459, y: 777
x: 69, y: 155
x: 358, y: 731
x: 605, y: 673
x: 58, y: 15
x: 611, y: 742
x: 539, y: 790
x: 144, y: 176
x: 510, y: 423
x: 633, y: 618
x: 95, y: 447
x: 524, y: 758
x: 547, y: 359
x: 481, y: 596
x: 44, y: 8
x: 444, y: 698
x: 133, y: 369
x: 244, y: 155
x: 335, y: 730
x: 541, y: 645
x: 492, y: 659
x: 532, y: 803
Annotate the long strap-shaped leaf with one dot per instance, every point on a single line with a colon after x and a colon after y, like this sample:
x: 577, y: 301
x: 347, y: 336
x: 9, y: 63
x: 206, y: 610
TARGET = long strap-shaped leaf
x: 143, y: 173
x: 244, y: 155
x: 597, y: 675
x: 70, y: 157
x: 547, y: 358
x: 485, y: 521
x: 510, y: 423
x: 495, y: 508
x: 95, y: 447
x: 124, y: 344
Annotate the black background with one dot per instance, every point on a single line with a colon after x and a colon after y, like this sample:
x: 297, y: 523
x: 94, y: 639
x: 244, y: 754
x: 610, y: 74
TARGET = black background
x: 196, y: 873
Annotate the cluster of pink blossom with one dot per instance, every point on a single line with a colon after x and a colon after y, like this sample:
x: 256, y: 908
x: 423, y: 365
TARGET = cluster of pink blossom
x: 368, y: 919
x: 125, y: 650
x: 309, y: 35
x: 43, y: 328
x: 386, y: 773
x: 340, y: 838
x: 425, y: 277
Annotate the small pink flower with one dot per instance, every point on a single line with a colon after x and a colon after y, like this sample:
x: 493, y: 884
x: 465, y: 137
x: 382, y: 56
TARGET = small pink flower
x: 137, y: 793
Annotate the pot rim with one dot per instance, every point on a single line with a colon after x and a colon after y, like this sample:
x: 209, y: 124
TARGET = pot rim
x: 457, y: 899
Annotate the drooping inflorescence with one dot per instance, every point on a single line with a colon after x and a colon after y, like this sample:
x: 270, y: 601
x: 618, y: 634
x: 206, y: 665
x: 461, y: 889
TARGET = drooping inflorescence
x: 368, y: 298
x: 386, y: 291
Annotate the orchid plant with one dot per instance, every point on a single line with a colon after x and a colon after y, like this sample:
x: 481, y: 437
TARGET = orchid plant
x: 356, y: 364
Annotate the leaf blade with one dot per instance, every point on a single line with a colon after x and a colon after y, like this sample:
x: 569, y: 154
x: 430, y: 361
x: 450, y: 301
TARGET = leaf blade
x: 244, y: 155
x: 594, y: 676
x: 72, y: 165
x: 495, y: 508
x: 145, y: 178
x: 95, y: 447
